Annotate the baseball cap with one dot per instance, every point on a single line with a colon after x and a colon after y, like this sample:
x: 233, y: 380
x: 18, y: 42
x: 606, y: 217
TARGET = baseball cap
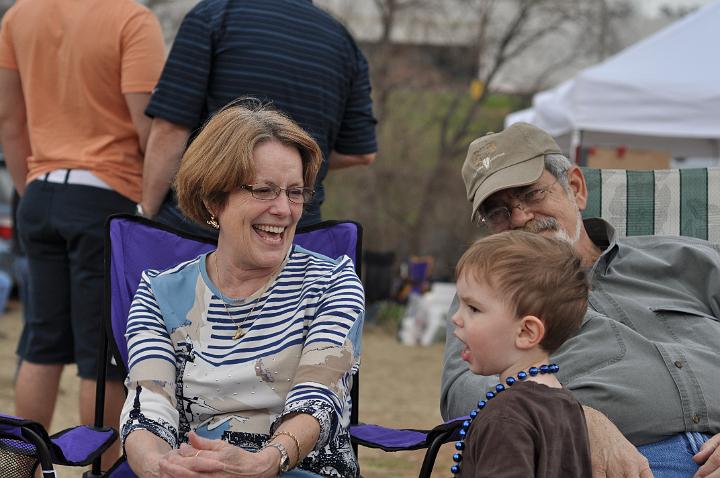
x: 512, y: 158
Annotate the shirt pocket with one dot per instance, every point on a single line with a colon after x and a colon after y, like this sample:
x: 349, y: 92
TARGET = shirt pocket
x: 598, y: 344
x: 687, y: 325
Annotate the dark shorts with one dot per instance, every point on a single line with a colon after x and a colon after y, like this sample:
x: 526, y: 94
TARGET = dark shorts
x: 62, y: 227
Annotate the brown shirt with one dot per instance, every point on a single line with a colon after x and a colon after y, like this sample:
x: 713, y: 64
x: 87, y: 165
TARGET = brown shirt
x: 530, y: 430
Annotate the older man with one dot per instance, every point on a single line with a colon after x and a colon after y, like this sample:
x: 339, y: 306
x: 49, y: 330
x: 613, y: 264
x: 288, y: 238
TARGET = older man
x: 646, y: 357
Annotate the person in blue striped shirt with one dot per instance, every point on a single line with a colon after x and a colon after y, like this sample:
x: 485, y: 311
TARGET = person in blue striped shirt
x: 288, y: 52
x: 241, y: 360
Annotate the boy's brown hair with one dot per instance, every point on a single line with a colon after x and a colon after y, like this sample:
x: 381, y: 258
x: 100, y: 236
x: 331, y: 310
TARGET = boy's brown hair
x: 533, y: 275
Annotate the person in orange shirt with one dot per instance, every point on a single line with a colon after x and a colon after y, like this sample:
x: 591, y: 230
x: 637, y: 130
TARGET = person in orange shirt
x: 76, y: 78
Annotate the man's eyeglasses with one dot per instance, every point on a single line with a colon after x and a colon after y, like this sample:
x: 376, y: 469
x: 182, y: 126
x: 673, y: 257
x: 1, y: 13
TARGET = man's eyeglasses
x: 498, y: 218
x: 268, y: 192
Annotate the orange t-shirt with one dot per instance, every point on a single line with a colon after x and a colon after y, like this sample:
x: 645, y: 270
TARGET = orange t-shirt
x: 76, y: 59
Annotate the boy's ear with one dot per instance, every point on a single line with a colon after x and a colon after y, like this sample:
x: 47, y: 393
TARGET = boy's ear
x: 530, y: 333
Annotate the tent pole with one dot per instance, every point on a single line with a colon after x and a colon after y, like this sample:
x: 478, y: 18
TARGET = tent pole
x: 575, y: 145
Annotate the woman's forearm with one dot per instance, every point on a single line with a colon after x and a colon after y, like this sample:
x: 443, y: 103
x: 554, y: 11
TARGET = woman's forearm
x: 144, y: 451
x: 297, y: 433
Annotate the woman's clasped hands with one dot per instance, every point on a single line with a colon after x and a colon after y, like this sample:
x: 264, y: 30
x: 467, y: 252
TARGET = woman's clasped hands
x: 206, y: 458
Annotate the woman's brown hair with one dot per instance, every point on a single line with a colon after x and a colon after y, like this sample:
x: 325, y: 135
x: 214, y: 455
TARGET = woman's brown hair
x: 220, y: 158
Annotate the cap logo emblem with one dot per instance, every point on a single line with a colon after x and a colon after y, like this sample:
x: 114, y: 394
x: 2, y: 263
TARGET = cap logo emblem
x: 482, y: 153
x: 483, y: 157
x: 488, y: 160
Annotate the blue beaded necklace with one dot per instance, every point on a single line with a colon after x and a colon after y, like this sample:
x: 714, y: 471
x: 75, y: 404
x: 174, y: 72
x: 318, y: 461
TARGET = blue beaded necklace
x: 499, y: 388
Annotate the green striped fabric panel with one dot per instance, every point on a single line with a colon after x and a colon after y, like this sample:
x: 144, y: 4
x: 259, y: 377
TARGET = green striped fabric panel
x: 593, y: 179
x: 693, y: 203
x: 614, y: 205
x: 668, y: 202
x: 713, y: 188
x: 640, y: 194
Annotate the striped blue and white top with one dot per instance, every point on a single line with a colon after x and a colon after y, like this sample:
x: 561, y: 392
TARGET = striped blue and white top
x: 299, y: 352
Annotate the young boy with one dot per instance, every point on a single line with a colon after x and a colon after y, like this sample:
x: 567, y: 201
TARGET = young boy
x: 521, y: 296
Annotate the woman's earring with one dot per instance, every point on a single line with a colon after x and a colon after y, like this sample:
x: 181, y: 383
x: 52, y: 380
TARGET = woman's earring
x: 212, y: 222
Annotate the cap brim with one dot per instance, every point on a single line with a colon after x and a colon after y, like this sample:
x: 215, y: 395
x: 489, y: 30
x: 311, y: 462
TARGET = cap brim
x: 520, y: 174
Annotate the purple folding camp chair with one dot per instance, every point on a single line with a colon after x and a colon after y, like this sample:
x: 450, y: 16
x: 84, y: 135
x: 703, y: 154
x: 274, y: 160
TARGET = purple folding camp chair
x: 135, y: 244
x: 25, y: 445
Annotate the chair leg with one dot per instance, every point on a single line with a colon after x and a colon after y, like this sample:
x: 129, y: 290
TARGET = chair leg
x: 431, y: 454
x: 96, y: 469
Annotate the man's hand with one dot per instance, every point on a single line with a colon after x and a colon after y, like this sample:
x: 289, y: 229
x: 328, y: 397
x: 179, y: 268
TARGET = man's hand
x: 709, y: 457
x: 612, y: 455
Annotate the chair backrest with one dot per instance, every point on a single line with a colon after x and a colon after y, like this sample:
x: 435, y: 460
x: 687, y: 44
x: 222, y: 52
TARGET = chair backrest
x: 680, y: 202
x: 135, y: 244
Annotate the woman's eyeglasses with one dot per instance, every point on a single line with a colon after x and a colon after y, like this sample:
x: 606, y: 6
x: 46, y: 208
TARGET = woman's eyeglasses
x: 268, y: 192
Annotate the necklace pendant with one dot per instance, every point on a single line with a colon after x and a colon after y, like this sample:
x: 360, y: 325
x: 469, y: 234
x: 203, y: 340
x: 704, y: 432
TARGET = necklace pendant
x: 238, y: 334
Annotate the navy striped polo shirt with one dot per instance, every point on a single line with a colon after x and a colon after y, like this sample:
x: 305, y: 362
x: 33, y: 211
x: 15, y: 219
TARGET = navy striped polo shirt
x: 287, y: 52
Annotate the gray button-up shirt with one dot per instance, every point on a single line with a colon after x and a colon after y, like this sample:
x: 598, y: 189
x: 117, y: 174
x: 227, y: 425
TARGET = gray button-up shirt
x: 648, y: 352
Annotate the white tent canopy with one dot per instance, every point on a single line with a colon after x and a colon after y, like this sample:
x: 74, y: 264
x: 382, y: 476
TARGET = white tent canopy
x: 662, y: 93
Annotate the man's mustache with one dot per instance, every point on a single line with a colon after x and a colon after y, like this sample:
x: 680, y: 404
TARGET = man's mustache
x: 541, y: 224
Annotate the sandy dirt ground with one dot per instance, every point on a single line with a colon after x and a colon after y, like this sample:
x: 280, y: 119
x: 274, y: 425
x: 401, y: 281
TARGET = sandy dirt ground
x: 399, y: 388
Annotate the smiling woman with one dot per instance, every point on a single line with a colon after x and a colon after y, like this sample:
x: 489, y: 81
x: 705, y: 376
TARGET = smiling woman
x: 241, y: 360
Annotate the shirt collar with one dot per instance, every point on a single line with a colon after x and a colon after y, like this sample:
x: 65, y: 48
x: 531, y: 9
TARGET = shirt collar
x: 604, y: 236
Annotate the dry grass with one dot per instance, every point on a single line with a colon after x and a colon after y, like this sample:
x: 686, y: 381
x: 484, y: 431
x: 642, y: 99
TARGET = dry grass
x: 399, y: 388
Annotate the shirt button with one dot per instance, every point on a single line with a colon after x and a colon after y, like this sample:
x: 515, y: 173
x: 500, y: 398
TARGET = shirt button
x: 678, y: 364
x: 696, y: 419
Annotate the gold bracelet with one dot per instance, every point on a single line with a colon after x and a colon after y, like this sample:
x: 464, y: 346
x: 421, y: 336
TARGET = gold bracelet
x: 297, y: 442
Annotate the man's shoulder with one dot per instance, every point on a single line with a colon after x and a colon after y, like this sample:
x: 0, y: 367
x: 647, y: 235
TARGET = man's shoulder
x: 23, y: 9
x: 118, y: 14
x: 119, y: 10
x: 300, y: 11
x: 670, y: 242
x: 21, y: 5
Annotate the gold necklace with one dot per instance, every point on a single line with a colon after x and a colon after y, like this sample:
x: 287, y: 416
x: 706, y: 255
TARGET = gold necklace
x: 239, y: 332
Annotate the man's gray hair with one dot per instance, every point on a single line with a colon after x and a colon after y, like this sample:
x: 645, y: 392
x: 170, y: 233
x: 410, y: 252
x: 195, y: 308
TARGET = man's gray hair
x: 558, y: 165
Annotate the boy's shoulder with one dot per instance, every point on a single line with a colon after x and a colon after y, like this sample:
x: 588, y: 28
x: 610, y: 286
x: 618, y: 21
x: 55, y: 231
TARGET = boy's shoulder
x: 530, y: 401
x: 529, y: 429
